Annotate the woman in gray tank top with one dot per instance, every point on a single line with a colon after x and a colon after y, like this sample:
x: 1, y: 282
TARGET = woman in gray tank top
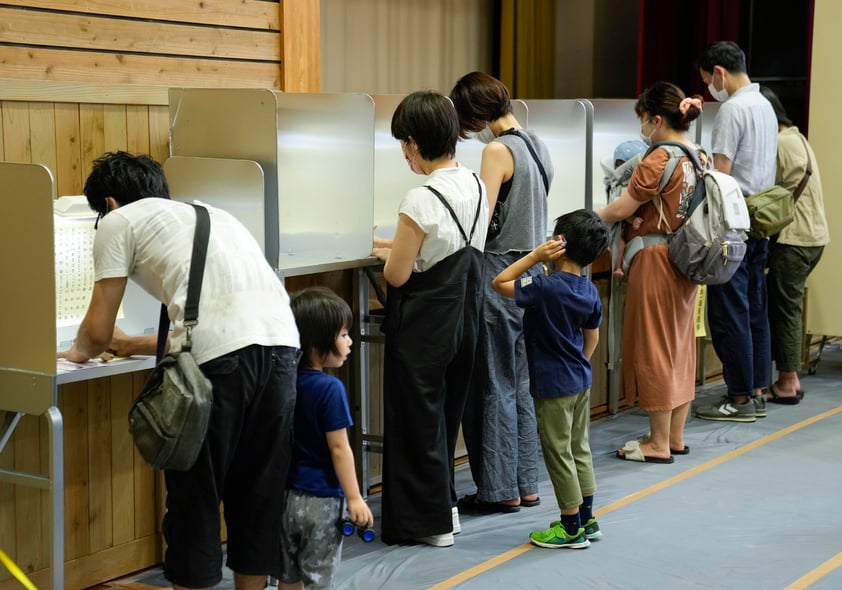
x: 499, y: 424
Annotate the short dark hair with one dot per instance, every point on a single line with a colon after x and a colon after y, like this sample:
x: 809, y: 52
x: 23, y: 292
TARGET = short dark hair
x: 723, y: 53
x: 479, y: 98
x: 429, y: 119
x: 126, y: 178
x: 320, y: 315
x: 585, y: 233
x: 664, y: 98
x: 777, y: 106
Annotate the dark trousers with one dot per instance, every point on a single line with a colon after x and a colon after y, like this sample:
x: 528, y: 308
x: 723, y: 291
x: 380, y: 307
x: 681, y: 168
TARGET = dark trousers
x: 789, y: 267
x: 430, y: 327
x: 739, y: 323
x: 243, y: 463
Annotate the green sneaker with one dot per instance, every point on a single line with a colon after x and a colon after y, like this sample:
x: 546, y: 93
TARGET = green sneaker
x: 557, y: 538
x: 592, y: 531
x: 591, y: 527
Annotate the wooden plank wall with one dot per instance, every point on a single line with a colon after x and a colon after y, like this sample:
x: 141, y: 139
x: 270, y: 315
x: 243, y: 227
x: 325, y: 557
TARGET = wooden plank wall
x: 78, y: 78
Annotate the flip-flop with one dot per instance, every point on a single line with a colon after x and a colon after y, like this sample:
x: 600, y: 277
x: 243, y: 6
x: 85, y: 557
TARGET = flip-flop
x: 472, y: 504
x: 632, y: 452
x: 684, y: 451
x: 787, y: 400
x: 530, y: 503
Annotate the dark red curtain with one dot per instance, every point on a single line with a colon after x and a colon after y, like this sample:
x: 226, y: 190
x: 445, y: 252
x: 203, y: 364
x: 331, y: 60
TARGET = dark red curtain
x: 776, y: 36
x: 674, y: 33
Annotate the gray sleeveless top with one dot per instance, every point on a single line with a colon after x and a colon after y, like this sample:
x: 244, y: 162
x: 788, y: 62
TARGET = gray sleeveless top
x: 524, y: 214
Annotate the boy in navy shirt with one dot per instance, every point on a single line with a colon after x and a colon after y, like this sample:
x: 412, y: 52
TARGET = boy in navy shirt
x: 322, y: 470
x: 562, y: 314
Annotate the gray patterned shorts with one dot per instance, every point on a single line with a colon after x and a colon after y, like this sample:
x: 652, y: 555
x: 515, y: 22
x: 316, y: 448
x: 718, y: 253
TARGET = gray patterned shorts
x: 311, y: 543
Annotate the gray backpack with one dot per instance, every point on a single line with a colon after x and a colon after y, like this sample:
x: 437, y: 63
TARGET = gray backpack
x: 710, y: 245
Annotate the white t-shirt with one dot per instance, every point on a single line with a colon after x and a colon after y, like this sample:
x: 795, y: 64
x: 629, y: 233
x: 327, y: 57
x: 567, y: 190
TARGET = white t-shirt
x: 242, y: 301
x: 459, y: 187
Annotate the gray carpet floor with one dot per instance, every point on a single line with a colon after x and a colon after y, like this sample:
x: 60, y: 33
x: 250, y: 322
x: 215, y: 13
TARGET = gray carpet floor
x: 752, y: 506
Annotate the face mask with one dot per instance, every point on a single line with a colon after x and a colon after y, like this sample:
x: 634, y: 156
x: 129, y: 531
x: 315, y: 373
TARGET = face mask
x: 647, y: 139
x: 485, y: 136
x: 413, y: 165
x: 719, y: 95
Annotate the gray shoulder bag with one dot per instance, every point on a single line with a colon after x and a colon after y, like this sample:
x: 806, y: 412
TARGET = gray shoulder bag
x: 169, y: 418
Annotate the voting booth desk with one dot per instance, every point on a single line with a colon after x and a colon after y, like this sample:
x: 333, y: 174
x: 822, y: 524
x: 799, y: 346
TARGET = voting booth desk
x: 77, y: 503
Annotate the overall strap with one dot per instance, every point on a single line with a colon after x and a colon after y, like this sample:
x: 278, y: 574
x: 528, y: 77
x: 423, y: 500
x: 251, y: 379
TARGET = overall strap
x: 453, y: 213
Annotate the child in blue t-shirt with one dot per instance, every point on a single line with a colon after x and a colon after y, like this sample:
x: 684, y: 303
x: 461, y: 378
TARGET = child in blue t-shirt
x: 562, y: 314
x: 322, y: 467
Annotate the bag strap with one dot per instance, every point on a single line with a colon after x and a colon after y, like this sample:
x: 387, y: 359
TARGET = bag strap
x: 201, y: 236
x: 698, y: 194
x: 534, y: 156
x: 807, y: 173
x: 453, y: 213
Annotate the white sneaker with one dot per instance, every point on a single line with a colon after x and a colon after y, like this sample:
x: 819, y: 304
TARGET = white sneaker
x: 443, y: 540
x: 457, y: 526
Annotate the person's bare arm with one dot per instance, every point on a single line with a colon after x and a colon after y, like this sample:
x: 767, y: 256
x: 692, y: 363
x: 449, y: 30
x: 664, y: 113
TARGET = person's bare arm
x: 405, y: 247
x: 497, y: 167
x: 343, y: 463
x: 619, y: 209
x: 504, y: 283
x: 722, y: 163
x: 97, y: 328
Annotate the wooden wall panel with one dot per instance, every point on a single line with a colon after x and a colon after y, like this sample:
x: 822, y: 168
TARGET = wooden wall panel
x: 99, y: 34
x: 35, y: 63
x: 95, y: 84
x: 251, y: 14
x: 28, y: 500
x: 155, y: 42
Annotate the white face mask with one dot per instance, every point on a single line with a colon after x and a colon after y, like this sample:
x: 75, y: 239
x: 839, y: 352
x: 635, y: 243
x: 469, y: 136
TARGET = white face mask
x: 647, y: 139
x: 719, y: 95
x: 485, y: 136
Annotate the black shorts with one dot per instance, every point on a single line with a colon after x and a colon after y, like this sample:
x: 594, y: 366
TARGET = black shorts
x: 243, y: 463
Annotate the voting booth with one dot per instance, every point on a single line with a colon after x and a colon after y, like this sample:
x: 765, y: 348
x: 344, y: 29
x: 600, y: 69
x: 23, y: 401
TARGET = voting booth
x: 64, y: 442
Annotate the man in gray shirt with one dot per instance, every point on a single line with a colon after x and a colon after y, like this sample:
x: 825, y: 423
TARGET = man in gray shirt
x: 744, y: 142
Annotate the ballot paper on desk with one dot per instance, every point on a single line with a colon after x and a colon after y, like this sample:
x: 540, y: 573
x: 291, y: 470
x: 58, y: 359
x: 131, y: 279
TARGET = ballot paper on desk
x: 73, y: 222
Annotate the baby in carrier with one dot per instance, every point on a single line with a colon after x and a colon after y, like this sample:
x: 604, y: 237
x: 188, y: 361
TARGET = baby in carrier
x: 627, y: 156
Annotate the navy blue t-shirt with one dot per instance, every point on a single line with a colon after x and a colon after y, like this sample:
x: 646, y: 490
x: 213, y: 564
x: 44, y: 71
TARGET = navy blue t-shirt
x: 556, y: 310
x: 321, y: 407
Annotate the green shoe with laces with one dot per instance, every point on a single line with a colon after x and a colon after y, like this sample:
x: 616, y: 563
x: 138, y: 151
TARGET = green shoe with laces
x: 592, y: 532
x: 557, y: 538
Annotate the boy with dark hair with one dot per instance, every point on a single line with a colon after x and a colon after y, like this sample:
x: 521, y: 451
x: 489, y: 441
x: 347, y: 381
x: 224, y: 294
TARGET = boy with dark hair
x: 322, y: 469
x: 562, y: 314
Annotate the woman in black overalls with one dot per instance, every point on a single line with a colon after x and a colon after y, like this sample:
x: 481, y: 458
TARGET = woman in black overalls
x: 433, y: 267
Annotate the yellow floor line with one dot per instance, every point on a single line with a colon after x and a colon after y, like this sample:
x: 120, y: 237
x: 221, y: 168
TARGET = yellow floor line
x: 817, y: 574
x: 520, y: 549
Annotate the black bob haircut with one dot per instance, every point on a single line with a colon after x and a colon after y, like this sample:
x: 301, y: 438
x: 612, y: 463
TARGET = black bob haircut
x: 320, y: 315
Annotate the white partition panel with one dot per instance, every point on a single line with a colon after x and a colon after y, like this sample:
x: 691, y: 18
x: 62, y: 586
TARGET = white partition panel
x: 317, y: 154
x: 325, y: 176
x: 705, y: 125
x: 392, y: 177
x: 565, y: 126
x: 614, y: 122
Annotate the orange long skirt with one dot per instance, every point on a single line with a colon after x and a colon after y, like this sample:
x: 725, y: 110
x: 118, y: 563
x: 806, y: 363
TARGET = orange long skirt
x: 659, y: 340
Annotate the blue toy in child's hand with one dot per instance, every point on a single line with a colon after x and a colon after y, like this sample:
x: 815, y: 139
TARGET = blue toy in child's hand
x: 366, y: 533
x: 346, y: 527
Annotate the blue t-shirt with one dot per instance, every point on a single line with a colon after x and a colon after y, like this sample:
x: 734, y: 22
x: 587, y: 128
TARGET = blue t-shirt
x: 556, y: 310
x: 321, y: 407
